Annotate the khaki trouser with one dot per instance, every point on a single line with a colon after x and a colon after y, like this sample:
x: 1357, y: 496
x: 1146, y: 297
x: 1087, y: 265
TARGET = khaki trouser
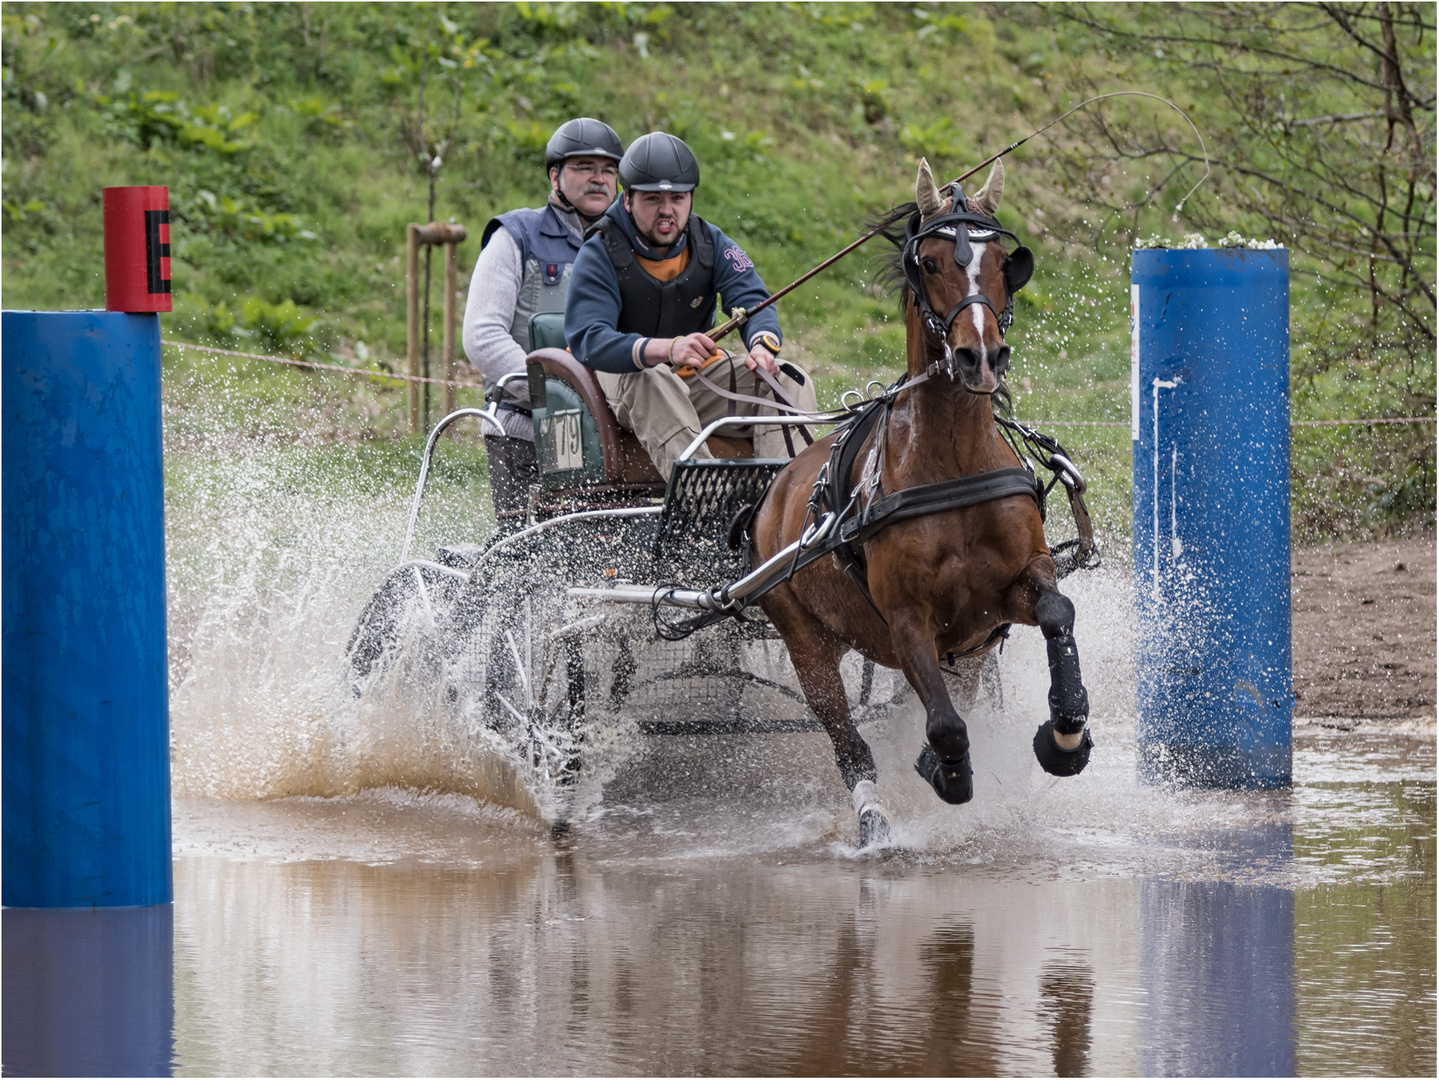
x: 666, y: 412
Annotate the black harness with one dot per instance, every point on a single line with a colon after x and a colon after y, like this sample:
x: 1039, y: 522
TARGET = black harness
x: 864, y: 509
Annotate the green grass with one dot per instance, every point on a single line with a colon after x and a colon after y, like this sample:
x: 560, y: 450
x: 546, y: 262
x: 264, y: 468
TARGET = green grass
x: 277, y: 129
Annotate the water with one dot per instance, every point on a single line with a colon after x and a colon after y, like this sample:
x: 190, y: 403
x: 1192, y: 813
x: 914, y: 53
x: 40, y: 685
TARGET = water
x: 361, y: 888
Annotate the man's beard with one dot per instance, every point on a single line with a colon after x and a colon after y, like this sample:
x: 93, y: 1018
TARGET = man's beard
x: 655, y: 242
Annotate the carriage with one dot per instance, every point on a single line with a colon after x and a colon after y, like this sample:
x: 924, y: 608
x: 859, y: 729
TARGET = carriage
x: 517, y: 629
x: 585, y: 613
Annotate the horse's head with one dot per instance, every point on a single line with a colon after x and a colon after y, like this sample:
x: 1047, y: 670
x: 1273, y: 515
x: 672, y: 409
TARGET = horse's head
x: 962, y: 280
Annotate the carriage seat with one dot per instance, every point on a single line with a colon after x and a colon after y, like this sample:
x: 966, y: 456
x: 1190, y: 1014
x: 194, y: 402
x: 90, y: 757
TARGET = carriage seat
x: 621, y: 462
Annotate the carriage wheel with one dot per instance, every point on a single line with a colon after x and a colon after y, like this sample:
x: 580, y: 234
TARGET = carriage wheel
x: 409, y: 598
x: 534, y: 689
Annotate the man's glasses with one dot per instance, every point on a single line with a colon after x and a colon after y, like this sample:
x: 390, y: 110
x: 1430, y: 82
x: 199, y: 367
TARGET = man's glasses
x: 609, y: 172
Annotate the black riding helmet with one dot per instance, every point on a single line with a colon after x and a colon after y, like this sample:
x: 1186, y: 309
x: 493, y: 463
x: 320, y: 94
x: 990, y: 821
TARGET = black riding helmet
x: 659, y: 162
x: 583, y: 136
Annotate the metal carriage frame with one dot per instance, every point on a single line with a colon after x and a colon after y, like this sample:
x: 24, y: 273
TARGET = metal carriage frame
x: 512, y: 628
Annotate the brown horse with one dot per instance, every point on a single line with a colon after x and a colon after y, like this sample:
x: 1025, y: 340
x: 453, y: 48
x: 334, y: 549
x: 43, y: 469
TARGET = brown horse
x: 945, y: 583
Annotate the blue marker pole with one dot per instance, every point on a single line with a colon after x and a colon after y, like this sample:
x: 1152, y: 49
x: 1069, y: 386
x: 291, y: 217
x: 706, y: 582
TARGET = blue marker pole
x: 1210, y: 424
x: 85, y: 681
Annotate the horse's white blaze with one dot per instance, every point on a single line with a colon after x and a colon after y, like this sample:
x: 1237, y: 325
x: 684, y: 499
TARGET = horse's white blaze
x: 977, y: 310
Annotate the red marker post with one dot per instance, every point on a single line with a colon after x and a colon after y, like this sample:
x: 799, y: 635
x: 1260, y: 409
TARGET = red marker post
x: 137, y: 249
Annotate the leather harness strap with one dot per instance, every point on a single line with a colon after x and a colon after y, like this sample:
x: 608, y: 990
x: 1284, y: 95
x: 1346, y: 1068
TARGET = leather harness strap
x: 936, y: 498
x: 832, y: 494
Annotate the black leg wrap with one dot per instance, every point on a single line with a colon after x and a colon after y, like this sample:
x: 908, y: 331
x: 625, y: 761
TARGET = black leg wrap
x: 1068, y: 700
x: 1055, y: 760
x: 953, y: 781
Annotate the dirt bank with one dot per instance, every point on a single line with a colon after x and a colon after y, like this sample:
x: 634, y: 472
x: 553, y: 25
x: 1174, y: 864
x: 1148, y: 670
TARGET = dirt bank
x: 1364, y: 630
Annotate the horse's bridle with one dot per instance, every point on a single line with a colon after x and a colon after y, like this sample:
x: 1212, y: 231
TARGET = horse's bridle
x: 963, y: 226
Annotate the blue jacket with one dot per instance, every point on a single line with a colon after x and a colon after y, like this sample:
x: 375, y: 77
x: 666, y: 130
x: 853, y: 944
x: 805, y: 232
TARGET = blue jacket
x: 593, y: 309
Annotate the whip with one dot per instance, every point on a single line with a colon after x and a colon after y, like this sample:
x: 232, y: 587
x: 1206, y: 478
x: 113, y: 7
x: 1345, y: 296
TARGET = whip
x: 739, y: 316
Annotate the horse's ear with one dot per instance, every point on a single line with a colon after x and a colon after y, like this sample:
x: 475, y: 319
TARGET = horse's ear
x: 926, y: 194
x: 1018, y: 269
x: 986, y: 199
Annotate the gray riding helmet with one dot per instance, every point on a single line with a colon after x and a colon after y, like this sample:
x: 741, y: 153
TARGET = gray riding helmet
x: 583, y: 136
x: 659, y: 162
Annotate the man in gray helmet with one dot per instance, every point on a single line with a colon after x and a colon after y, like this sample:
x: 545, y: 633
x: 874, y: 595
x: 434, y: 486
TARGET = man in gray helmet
x: 524, y: 270
x: 644, y: 293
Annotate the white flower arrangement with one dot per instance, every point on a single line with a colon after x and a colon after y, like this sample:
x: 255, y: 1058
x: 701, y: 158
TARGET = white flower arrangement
x: 1196, y: 241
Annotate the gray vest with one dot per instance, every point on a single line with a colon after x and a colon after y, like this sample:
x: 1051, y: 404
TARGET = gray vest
x: 547, y: 251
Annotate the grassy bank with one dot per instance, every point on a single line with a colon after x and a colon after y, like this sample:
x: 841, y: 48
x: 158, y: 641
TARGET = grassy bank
x: 291, y: 135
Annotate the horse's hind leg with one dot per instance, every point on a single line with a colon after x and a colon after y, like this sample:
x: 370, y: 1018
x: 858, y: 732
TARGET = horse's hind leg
x: 816, y: 660
x: 1062, y: 743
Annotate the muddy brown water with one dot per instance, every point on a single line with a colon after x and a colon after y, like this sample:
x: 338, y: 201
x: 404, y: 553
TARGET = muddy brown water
x: 709, y: 918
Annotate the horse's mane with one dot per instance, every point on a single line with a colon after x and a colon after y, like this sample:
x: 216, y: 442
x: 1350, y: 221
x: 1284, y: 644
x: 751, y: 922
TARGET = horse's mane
x: 893, y: 225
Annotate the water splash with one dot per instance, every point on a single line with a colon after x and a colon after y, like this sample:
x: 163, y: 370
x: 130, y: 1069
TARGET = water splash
x: 275, y: 551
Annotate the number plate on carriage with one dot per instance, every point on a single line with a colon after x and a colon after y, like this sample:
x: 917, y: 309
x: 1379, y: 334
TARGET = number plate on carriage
x: 561, y: 445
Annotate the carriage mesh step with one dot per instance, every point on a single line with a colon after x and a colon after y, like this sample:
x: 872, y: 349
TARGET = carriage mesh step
x: 703, y: 497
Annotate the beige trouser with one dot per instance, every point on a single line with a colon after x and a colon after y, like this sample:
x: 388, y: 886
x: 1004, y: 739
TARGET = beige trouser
x: 666, y: 412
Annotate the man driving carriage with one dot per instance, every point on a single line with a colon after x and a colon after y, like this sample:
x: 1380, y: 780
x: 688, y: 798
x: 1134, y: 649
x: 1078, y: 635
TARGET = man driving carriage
x: 523, y: 270
x: 642, y: 295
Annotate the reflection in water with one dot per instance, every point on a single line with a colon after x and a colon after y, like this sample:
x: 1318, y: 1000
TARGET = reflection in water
x: 963, y: 1018
x: 88, y: 991
x: 1217, y: 966
x: 1364, y: 948
x: 1067, y: 994
x: 389, y: 933
x: 533, y: 961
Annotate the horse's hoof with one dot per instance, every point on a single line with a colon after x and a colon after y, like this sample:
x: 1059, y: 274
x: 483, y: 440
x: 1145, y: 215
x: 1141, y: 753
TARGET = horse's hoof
x: 953, y: 781
x: 1054, y: 759
x: 873, y: 829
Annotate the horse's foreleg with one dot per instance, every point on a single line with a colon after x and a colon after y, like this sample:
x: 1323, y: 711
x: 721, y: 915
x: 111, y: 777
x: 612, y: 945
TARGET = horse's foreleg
x: 944, y: 759
x: 1062, y: 744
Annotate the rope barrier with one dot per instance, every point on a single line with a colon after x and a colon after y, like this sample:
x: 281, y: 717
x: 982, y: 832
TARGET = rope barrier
x: 1375, y: 420
x: 315, y: 364
x: 478, y: 386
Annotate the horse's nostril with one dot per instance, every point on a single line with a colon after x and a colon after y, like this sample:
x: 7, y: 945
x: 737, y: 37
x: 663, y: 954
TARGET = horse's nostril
x: 968, y: 357
x: 1001, y: 360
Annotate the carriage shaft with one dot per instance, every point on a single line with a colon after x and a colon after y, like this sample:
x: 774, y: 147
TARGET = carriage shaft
x: 703, y: 599
x: 732, y: 597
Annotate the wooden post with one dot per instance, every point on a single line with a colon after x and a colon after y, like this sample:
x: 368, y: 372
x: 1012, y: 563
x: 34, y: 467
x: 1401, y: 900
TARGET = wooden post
x: 452, y: 273
x: 412, y: 319
x: 451, y: 235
